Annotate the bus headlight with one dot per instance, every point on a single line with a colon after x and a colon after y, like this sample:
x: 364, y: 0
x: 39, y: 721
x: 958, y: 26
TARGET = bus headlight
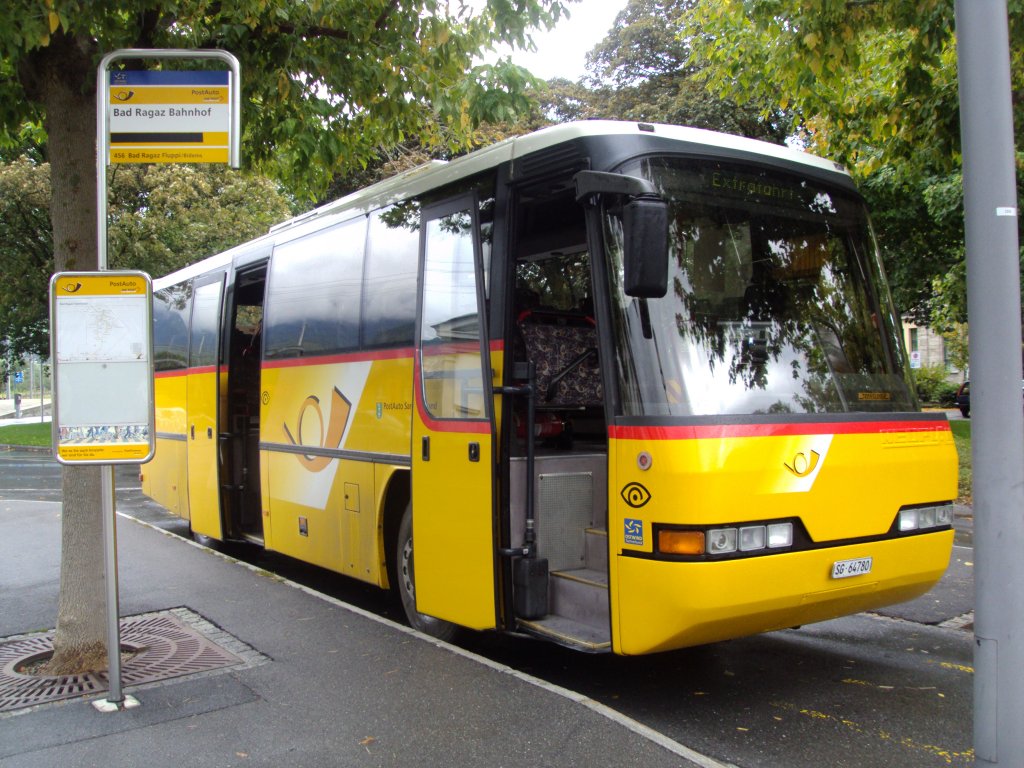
x: 753, y: 537
x: 921, y: 518
x: 780, y: 535
x: 721, y: 540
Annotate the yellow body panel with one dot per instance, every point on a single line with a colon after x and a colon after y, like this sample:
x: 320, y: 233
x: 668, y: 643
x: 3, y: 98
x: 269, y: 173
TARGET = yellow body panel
x: 452, y: 494
x: 318, y: 507
x: 839, y: 486
x: 165, y: 478
x: 202, y: 451
x: 453, y: 531
x: 664, y: 605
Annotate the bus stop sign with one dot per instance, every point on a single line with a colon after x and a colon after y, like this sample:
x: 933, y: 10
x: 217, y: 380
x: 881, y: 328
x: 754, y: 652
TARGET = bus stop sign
x: 102, y: 354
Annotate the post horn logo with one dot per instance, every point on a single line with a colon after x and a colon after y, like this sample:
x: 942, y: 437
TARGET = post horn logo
x: 331, y: 431
x: 803, y: 464
x: 72, y: 288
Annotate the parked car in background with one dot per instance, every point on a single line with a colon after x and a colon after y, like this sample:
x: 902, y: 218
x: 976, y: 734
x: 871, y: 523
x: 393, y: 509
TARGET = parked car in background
x: 963, y: 399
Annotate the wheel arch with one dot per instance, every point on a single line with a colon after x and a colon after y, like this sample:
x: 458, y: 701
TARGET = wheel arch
x: 396, y: 499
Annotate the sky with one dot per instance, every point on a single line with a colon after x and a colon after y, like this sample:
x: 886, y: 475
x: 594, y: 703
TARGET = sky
x: 562, y: 52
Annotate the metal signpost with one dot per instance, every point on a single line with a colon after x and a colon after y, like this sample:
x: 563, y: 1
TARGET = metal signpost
x: 994, y: 313
x: 101, y: 322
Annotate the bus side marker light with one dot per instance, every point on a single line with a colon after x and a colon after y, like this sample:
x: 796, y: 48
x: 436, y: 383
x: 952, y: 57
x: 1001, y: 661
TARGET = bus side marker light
x: 681, y: 542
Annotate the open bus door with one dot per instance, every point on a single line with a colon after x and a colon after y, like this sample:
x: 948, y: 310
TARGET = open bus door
x: 202, y: 398
x: 453, y: 425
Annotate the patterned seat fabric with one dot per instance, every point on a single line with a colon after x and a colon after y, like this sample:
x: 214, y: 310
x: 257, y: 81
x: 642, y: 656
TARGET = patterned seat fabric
x: 554, y: 347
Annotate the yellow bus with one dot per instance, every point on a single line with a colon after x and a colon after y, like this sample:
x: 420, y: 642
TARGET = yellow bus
x: 626, y: 387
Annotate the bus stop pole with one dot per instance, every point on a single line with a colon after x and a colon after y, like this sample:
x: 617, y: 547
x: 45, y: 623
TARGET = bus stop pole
x: 115, y: 696
x: 994, y: 317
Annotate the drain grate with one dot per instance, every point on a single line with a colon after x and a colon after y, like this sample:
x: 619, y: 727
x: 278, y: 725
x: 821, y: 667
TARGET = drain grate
x: 163, y: 645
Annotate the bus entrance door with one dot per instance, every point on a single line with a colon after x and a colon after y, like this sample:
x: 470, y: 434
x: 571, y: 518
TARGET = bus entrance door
x: 202, y: 397
x: 453, y: 429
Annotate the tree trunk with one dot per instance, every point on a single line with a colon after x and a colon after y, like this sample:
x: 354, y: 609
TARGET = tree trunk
x: 60, y: 77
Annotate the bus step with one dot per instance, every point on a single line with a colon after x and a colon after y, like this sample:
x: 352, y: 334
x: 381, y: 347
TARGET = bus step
x: 596, y: 543
x: 581, y: 595
x: 569, y: 633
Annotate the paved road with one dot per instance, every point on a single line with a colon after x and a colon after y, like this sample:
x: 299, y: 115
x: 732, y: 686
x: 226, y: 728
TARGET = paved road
x: 893, y: 688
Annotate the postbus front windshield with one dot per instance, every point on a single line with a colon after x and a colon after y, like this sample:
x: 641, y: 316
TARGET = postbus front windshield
x: 776, y: 302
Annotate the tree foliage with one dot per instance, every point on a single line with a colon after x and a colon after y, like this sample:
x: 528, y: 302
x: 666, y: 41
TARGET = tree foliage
x: 874, y: 86
x: 639, y: 71
x: 26, y: 251
x: 162, y: 218
x: 644, y: 70
x: 326, y: 83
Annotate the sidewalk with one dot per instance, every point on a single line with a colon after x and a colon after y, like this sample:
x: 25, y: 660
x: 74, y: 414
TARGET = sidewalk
x: 29, y: 408
x: 323, y: 685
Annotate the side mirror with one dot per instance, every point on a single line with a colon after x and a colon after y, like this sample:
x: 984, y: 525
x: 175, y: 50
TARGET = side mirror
x: 645, y: 247
x: 644, y: 225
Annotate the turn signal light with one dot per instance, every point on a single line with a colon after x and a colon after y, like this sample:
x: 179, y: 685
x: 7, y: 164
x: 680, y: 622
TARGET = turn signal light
x: 672, y: 542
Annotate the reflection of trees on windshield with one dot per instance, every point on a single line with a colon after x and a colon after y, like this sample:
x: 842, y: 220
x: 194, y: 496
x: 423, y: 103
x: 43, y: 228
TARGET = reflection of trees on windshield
x: 773, y: 312
x: 758, y: 296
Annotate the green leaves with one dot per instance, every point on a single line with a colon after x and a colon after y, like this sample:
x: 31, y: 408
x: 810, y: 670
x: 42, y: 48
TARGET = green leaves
x: 874, y: 86
x: 162, y: 217
x: 326, y: 85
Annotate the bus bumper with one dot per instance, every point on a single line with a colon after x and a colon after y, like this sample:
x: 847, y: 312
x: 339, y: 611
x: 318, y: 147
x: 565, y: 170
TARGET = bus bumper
x: 660, y: 605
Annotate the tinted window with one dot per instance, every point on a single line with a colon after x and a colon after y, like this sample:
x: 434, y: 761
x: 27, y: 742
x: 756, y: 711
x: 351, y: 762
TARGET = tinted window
x: 205, y: 325
x: 777, y: 303
x: 453, y: 386
x: 389, y: 301
x: 171, y: 307
x: 314, y: 293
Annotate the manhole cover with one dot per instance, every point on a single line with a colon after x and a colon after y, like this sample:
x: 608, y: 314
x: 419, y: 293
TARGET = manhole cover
x: 164, y: 647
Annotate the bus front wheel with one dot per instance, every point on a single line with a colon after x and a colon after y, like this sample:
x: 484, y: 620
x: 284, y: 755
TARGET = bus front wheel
x: 428, y: 625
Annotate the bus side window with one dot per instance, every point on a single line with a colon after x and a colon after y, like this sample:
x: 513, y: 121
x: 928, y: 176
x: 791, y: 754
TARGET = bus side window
x: 171, y: 309
x: 389, y: 298
x: 314, y: 292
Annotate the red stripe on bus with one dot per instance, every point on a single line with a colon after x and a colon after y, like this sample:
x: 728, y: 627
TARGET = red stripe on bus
x: 185, y: 372
x: 712, y: 431
x: 171, y: 374
x: 348, y: 357
x: 463, y: 426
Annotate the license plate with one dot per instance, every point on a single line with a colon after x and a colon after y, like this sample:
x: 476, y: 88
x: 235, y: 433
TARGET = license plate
x: 844, y: 569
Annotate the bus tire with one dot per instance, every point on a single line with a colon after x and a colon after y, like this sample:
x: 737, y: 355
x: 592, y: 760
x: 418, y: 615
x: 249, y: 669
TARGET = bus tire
x: 406, y: 585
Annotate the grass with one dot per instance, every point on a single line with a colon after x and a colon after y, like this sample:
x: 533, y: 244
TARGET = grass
x: 962, y: 440
x: 27, y: 434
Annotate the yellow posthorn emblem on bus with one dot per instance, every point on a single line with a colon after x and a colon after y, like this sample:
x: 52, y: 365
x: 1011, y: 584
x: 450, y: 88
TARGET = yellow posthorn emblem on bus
x: 802, y: 465
x: 329, y: 438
